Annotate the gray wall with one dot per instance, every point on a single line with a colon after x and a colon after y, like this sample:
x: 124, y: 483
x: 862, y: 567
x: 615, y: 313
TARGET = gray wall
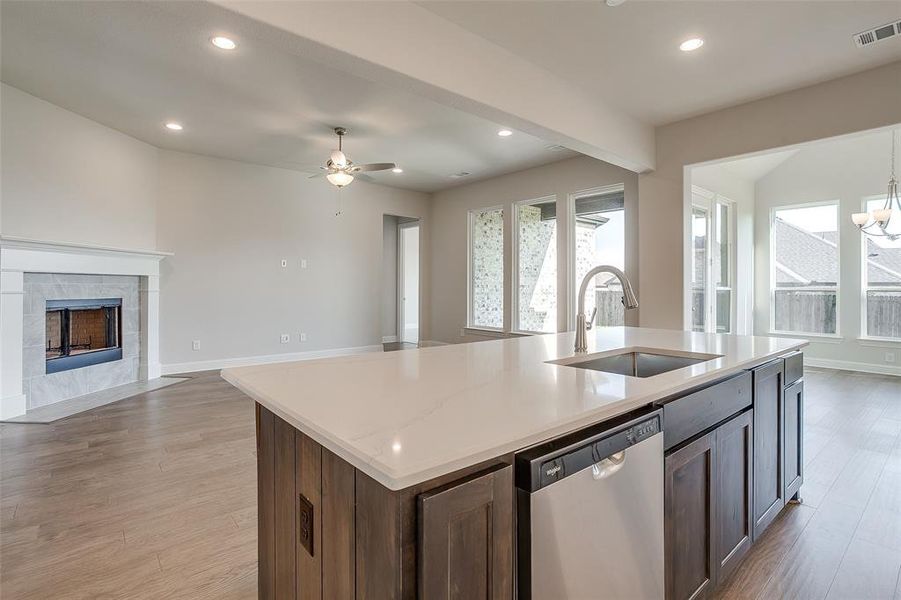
x: 449, y: 233
x: 230, y: 224
x: 70, y: 179
x: 389, y: 276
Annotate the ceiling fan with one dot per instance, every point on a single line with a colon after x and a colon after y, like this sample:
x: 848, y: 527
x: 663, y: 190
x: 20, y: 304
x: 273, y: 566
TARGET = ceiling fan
x: 340, y: 170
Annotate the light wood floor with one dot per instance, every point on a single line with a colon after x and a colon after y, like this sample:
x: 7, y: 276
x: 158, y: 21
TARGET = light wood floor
x: 150, y: 497
x: 155, y: 497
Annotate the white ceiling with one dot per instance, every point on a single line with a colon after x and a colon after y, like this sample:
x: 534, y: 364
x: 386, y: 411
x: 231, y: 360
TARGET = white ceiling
x: 628, y: 55
x: 135, y: 65
x: 753, y: 168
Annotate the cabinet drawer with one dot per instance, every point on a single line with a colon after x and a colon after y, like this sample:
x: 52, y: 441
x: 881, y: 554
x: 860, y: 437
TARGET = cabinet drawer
x: 690, y: 415
x: 794, y: 367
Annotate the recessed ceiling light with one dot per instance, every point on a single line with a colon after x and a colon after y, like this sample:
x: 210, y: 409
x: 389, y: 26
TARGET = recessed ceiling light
x: 174, y: 126
x: 223, y: 43
x: 397, y: 170
x: 690, y: 45
x: 505, y: 133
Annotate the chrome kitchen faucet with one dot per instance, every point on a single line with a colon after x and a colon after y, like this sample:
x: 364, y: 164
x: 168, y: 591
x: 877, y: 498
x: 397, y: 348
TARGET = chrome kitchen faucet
x: 582, y: 326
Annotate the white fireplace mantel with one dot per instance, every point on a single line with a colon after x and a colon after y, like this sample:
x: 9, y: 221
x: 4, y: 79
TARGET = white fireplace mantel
x: 19, y: 256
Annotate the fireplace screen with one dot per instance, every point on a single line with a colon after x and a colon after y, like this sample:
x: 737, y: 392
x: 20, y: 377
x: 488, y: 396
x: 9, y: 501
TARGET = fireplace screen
x: 83, y: 332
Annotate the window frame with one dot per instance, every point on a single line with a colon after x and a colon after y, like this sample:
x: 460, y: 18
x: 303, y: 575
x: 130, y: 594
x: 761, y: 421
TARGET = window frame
x: 571, y: 283
x: 470, y: 217
x: 711, y: 202
x: 772, y: 270
x: 514, y: 267
x: 864, y: 283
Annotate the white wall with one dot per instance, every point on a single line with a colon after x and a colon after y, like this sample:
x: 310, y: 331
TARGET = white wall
x: 229, y: 225
x: 449, y: 233
x: 847, y: 170
x: 70, y: 179
x: 859, y: 102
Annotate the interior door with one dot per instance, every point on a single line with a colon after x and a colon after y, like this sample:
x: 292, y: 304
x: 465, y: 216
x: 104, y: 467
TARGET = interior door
x: 408, y: 282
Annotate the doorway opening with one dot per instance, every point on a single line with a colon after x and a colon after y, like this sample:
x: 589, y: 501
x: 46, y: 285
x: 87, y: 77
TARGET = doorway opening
x: 401, y: 286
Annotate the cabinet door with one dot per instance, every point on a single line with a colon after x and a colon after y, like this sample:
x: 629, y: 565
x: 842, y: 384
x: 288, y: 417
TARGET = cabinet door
x: 466, y: 539
x: 734, y: 451
x: 769, y: 433
x: 794, y: 438
x: 689, y: 508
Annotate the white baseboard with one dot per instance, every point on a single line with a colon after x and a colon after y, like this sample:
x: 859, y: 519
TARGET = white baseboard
x: 845, y: 365
x: 246, y: 361
x: 389, y: 339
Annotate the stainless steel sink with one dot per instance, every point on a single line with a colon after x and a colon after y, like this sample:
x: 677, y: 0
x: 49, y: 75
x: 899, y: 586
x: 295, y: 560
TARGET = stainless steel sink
x: 637, y: 362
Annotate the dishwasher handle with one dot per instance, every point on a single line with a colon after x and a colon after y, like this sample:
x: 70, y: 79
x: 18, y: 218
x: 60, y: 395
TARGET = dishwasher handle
x: 609, y: 466
x: 604, y: 450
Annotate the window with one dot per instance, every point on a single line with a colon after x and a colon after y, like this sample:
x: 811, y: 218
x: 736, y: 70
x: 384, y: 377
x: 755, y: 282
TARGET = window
x: 699, y: 220
x: 804, y: 267
x: 599, y: 238
x: 881, y: 283
x: 712, y: 265
x: 535, y: 283
x: 486, y: 268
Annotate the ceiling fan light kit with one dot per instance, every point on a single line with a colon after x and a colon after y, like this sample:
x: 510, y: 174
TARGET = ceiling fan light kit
x: 340, y: 170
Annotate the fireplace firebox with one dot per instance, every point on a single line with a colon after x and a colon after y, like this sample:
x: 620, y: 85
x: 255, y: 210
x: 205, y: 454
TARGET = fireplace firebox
x: 82, y: 333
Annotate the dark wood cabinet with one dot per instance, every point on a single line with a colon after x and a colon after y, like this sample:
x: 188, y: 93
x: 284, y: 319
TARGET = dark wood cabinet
x: 769, y: 444
x: 328, y: 530
x: 466, y: 539
x: 734, y: 465
x: 707, y: 502
x: 794, y: 447
x: 689, y: 508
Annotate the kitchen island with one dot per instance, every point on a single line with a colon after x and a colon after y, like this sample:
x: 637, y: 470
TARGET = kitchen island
x: 390, y: 475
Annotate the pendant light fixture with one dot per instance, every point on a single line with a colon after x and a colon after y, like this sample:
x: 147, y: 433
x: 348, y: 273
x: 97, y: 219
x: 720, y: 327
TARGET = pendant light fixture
x: 877, y: 223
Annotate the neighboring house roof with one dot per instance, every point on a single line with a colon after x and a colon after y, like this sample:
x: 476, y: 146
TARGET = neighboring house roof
x: 803, y: 257
x: 883, y: 264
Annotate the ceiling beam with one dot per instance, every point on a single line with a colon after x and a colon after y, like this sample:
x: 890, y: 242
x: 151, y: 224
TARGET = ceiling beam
x: 406, y: 46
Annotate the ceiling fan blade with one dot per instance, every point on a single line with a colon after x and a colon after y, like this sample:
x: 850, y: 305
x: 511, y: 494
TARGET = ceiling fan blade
x: 315, y: 175
x: 372, y: 167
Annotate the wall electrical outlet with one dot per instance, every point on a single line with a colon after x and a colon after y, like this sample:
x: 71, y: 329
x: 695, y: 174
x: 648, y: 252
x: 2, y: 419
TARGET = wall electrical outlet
x: 195, y: 345
x: 285, y: 338
x: 303, y: 337
x: 303, y: 263
x: 890, y: 357
x: 284, y: 263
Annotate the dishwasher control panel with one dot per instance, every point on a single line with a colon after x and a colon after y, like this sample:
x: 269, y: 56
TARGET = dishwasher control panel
x: 543, y: 465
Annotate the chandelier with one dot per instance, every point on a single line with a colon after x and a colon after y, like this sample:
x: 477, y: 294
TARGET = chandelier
x: 876, y: 223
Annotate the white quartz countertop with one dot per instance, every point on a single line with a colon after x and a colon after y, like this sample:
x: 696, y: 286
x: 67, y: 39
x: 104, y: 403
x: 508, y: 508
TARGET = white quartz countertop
x: 405, y: 417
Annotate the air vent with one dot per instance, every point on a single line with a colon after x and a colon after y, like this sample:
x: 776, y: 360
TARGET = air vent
x: 460, y: 174
x: 877, y: 34
x: 555, y: 148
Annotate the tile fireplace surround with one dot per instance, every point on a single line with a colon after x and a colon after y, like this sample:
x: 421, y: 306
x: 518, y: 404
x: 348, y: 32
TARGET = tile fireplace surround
x: 32, y: 271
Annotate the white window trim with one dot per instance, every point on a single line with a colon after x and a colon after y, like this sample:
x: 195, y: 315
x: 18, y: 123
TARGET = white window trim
x: 772, y: 270
x: 470, y: 215
x: 865, y: 286
x: 570, y: 278
x: 514, y: 267
x: 712, y: 199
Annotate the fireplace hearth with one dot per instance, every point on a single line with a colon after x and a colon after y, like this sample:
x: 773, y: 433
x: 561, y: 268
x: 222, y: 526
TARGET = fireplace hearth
x: 82, y: 333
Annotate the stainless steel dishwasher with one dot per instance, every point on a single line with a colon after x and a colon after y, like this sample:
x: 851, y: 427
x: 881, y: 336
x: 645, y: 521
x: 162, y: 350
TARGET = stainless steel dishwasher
x: 590, y: 513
